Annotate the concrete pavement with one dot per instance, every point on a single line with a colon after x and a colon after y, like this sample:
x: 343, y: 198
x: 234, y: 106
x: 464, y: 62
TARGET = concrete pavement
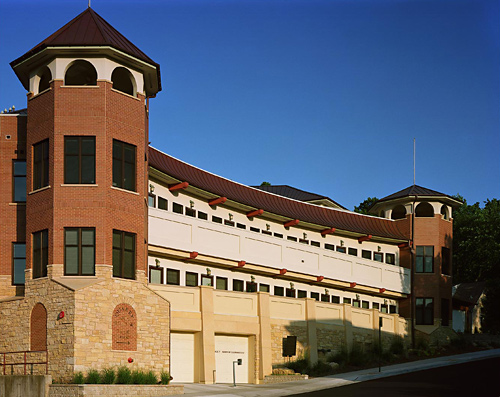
x: 304, y: 386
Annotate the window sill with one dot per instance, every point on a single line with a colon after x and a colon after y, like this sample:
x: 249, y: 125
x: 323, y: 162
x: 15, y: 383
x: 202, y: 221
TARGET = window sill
x: 79, y: 86
x: 40, y: 190
x: 23, y: 204
x: 80, y: 184
x: 124, y: 190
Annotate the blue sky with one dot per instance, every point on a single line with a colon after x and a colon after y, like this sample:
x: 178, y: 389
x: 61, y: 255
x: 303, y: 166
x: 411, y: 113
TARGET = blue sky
x: 326, y: 96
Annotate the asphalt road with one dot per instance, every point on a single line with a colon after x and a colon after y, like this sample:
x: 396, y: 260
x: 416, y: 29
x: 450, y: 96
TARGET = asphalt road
x: 474, y: 379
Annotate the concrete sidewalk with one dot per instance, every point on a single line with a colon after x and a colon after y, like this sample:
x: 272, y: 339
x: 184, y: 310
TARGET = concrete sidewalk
x: 304, y: 386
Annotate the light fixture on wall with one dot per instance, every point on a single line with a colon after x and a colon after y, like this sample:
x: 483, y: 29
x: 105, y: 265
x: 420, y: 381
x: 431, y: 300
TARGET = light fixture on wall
x: 305, y: 236
x: 341, y: 243
x: 327, y: 292
x: 357, y: 297
x: 385, y: 301
x: 268, y: 226
x: 209, y: 272
x: 252, y: 278
x: 230, y: 217
x: 379, y: 248
x: 292, y: 285
x: 157, y: 262
x: 151, y: 189
x: 191, y: 204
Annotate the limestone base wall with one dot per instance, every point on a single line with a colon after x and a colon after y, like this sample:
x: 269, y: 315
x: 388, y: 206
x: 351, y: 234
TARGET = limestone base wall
x: 114, y: 390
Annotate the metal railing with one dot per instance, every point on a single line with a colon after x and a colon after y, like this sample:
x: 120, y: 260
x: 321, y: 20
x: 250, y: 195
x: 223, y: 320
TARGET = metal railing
x: 25, y: 361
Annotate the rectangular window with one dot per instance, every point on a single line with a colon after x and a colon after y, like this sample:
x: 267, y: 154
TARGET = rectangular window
x: 335, y: 299
x: 378, y: 256
x: 177, y: 208
x: 393, y: 309
x: 366, y: 254
x: 228, y: 222
x: 341, y: 249
x: 315, y: 295
x: 352, y: 251
x: 191, y: 279
x: 79, y: 251
x: 18, y: 263
x: 425, y: 259
x: 202, y: 215
x: 424, y: 311
x: 173, y: 277
x: 251, y: 286
x: 301, y: 294
x: 123, y: 254
x: 329, y: 247
x: 162, y: 204
x: 207, y: 280
x: 40, y: 253
x: 315, y: 243
x: 216, y: 219
x: 238, y: 285
x: 124, y: 165
x: 446, y: 261
x: 41, y: 164
x: 445, y: 312
x: 267, y: 233
x: 221, y: 283
x: 365, y: 304
x: 347, y: 300
x: 279, y: 291
x: 254, y: 229
x: 356, y: 303
x: 376, y: 305
x: 155, y: 275
x: 151, y: 200
x: 303, y: 241
x: 383, y: 308
x: 264, y: 288
x: 79, y: 159
x: 325, y: 298
x: 291, y: 238
x: 279, y: 235
x: 241, y: 226
x: 290, y: 293
x: 190, y: 212
x: 390, y: 259
x: 19, y: 185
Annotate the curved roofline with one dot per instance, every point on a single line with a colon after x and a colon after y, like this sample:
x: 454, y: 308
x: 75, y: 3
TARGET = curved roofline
x: 318, y: 211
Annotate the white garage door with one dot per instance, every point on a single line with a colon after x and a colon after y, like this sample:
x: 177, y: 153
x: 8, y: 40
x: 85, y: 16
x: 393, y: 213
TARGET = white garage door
x: 182, y: 357
x: 227, y: 350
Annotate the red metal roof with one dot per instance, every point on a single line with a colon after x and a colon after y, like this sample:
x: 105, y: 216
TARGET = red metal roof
x: 323, y: 216
x: 89, y: 29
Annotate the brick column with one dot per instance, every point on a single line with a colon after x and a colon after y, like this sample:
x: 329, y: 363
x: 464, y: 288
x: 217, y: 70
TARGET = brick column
x: 207, y: 343
x: 265, y: 348
x: 312, y: 340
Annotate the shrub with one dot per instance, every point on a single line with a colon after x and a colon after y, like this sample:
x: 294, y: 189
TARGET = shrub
x: 92, y: 377
x: 164, y: 377
x: 78, y: 378
x: 139, y: 377
x: 300, y: 365
x: 397, y: 345
x: 108, y: 376
x: 341, y: 357
x: 459, y: 341
x: 150, y: 378
x: 421, y: 344
x: 124, y: 376
x: 320, y: 368
x: 357, y: 356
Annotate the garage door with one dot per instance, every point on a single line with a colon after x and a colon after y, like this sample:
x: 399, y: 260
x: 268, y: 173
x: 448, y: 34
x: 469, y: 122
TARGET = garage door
x: 227, y: 350
x: 182, y: 357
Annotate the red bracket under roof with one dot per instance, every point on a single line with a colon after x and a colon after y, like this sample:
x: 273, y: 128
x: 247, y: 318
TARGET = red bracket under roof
x: 219, y: 200
x: 251, y: 214
x: 293, y: 222
x: 365, y: 238
x: 179, y: 186
x: 328, y: 231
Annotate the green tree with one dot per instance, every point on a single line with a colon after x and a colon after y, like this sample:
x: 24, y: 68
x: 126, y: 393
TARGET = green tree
x: 265, y: 184
x: 364, y: 207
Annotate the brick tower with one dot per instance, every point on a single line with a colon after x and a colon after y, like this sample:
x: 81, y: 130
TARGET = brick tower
x: 86, y: 208
x: 426, y: 216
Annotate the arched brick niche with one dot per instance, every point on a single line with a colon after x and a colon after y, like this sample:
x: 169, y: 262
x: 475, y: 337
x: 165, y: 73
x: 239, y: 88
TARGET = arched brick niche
x: 124, y: 326
x: 38, y: 334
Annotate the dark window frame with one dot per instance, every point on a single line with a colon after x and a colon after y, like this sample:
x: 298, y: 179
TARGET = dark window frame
x: 120, y: 181
x: 280, y: 289
x: 80, y: 247
x: 425, y: 254
x: 301, y: 293
x: 423, y: 311
x: 222, y: 279
x: 446, y: 261
x: 204, y: 277
x: 315, y: 295
x: 177, y: 208
x: 191, y: 274
x: 290, y: 292
x: 162, y: 200
x: 14, y: 257
x: 80, y: 156
x: 380, y: 255
x: 41, y: 164
x: 120, y: 267
x: 366, y: 254
x: 157, y: 268
x: 391, y: 261
x: 242, y: 285
x: 173, y: 271
x: 341, y: 249
x: 266, y: 286
x: 18, y: 176
x: 151, y: 197
x: 40, y: 255
x: 352, y: 251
